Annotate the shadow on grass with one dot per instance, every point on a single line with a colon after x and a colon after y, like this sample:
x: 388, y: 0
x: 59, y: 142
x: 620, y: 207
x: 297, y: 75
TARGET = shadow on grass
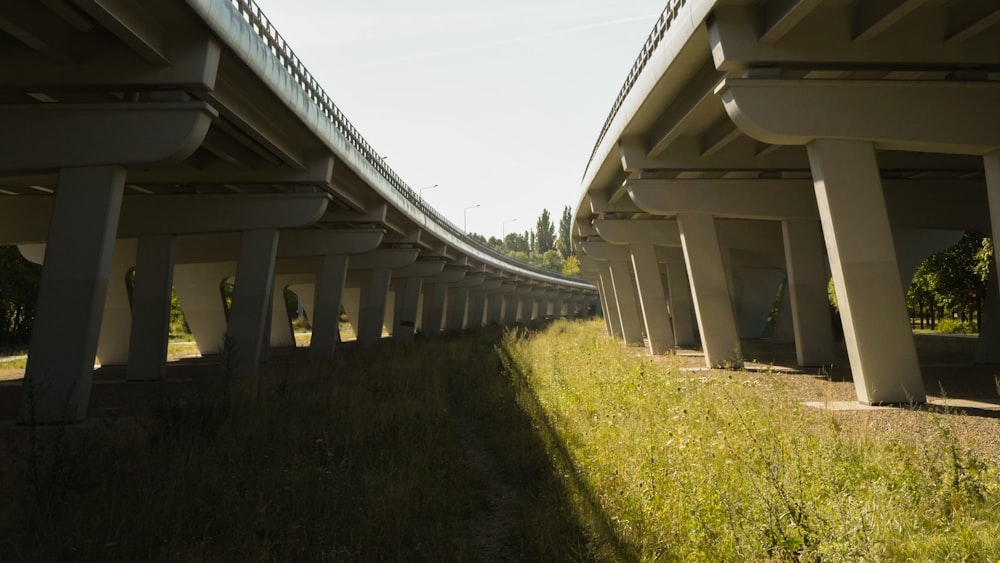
x: 397, y: 453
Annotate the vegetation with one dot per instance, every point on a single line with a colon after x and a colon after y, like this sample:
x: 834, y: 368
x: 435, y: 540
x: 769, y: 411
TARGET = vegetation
x: 548, y: 446
x: 540, y: 247
x: 951, y: 285
x: 400, y: 453
x: 18, y: 294
x: 727, y: 467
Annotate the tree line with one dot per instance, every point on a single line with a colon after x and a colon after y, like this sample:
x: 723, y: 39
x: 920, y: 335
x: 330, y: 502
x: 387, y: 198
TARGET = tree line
x: 544, y: 246
x: 947, y: 292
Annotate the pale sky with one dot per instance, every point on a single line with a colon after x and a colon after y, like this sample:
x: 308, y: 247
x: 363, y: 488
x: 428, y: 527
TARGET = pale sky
x: 497, y: 102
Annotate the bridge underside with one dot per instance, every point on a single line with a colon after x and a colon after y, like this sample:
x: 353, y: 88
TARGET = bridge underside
x: 164, y: 145
x: 768, y: 145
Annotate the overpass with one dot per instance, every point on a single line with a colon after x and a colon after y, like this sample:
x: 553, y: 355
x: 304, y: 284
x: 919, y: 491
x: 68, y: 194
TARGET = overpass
x: 757, y: 143
x: 180, y: 144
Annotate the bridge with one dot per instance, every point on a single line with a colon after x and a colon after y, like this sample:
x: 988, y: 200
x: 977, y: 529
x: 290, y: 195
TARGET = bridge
x: 180, y: 144
x: 761, y: 143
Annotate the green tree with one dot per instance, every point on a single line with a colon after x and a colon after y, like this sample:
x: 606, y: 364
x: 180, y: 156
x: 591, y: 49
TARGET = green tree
x: 565, y: 244
x: 953, y: 281
x: 545, y: 233
x: 571, y: 267
x: 19, y: 281
x: 517, y: 242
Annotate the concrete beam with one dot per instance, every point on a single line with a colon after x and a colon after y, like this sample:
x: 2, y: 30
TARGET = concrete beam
x: 53, y: 136
x: 944, y: 117
x: 26, y: 219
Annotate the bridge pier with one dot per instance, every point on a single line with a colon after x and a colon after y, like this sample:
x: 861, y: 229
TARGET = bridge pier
x: 72, y: 292
x: 652, y: 299
x: 371, y: 314
x: 756, y: 289
x: 406, y: 300
x: 151, y: 292
x: 681, y: 305
x: 329, y: 295
x: 710, y: 289
x: 251, y: 298
x: 806, y: 288
x: 865, y: 272
x: 624, y: 295
x: 116, y: 317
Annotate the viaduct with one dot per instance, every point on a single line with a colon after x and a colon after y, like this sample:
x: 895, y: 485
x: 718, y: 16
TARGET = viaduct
x: 180, y: 144
x: 757, y: 142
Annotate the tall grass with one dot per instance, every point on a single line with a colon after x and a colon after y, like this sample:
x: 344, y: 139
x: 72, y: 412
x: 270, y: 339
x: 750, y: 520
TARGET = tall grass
x: 726, y: 467
x: 557, y: 445
x: 400, y: 453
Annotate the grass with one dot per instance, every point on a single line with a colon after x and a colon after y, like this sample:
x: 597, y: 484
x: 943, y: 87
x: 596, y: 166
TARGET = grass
x: 556, y: 445
x: 399, y: 453
x: 726, y: 466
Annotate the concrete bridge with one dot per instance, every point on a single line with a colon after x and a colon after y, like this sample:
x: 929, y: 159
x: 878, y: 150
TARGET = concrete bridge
x: 180, y: 144
x: 757, y: 142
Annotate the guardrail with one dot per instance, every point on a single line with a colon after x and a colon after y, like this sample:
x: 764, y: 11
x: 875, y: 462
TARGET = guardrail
x: 668, y: 15
x: 252, y: 14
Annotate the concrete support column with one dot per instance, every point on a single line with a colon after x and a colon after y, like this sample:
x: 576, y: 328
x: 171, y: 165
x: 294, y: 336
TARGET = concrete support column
x: 199, y: 290
x: 71, y: 294
x: 652, y: 298
x: 806, y: 288
x: 784, y: 326
x: 477, y: 308
x: 306, y: 292
x: 757, y: 292
x: 710, y: 290
x: 281, y: 333
x: 610, y: 303
x: 116, y: 320
x: 988, y: 346
x: 434, y: 296
x: 989, y: 335
x: 458, y: 298
x: 494, y: 307
x: 628, y: 306
x: 154, y: 274
x: 865, y: 272
x: 681, y: 305
x: 251, y: 298
x: 407, y: 303
x: 510, y: 302
x: 329, y: 294
x: 371, y: 316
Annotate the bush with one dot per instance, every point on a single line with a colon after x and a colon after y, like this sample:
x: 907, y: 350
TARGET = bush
x: 952, y: 326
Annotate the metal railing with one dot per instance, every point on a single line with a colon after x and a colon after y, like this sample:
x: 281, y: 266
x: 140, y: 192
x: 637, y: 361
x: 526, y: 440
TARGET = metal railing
x: 276, y: 44
x: 667, y: 17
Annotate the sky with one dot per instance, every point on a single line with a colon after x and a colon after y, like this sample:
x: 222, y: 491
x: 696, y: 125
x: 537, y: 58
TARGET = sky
x: 497, y: 103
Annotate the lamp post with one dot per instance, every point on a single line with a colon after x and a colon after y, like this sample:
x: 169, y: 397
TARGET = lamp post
x: 503, y: 228
x: 465, y: 217
x: 421, y: 194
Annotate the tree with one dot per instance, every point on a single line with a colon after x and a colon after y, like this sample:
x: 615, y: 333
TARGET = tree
x: 19, y: 281
x: 516, y: 242
x: 565, y: 244
x: 571, y: 267
x: 545, y: 233
x: 952, y: 281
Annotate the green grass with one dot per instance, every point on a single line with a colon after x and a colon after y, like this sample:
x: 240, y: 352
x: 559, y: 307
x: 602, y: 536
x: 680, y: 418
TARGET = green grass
x: 726, y: 467
x: 559, y: 445
x: 398, y: 453
x: 15, y: 363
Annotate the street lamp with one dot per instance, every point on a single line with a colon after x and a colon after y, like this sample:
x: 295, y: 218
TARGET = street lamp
x: 426, y: 188
x: 465, y: 217
x: 503, y: 228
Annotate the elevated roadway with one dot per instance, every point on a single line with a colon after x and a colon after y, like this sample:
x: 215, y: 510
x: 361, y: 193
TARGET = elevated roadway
x: 860, y: 135
x: 182, y: 144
